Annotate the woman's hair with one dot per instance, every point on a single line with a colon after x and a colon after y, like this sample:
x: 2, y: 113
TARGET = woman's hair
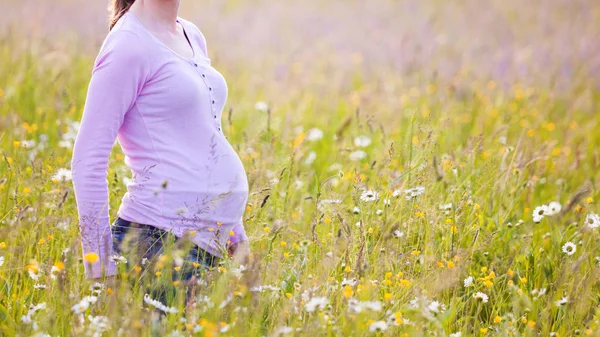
x: 118, y: 8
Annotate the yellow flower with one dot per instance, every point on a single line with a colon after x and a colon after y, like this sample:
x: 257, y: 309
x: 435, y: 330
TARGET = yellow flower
x: 483, y: 330
x: 288, y: 295
x: 348, y: 292
x: 453, y: 229
x: 158, y: 273
x: 176, y: 283
x: 283, y: 243
x: 16, y: 143
x: 415, y: 252
x: 26, y: 190
x: 450, y: 264
x: 497, y: 319
x: 267, y: 229
x: 419, y: 213
x: 177, y: 268
x: 388, y: 297
x: 231, y: 233
x: 589, y: 200
x: 347, y: 269
x: 91, y: 257
x: 59, y: 265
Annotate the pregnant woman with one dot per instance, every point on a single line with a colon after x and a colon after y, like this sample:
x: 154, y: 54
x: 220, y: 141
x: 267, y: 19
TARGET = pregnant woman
x: 154, y: 90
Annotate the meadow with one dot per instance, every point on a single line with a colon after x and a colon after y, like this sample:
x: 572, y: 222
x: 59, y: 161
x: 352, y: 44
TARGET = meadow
x: 416, y: 168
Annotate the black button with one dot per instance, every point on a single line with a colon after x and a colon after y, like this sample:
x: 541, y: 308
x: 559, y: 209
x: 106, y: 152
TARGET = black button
x: 213, y: 101
x: 215, y: 116
x: 219, y: 128
x: 203, y: 75
x: 195, y: 64
x: 209, y: 88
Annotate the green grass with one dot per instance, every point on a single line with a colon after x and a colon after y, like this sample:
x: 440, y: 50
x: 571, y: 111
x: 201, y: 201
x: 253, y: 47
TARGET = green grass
x: 494, y: 154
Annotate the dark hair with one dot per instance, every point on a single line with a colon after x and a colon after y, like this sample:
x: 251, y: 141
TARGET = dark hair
x: 117, y: 9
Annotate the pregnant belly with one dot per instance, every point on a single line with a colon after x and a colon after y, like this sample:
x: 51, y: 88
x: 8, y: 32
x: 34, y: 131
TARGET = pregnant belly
x: 214, y: 190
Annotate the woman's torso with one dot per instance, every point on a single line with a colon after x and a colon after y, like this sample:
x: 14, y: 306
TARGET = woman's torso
x: 185, y: 174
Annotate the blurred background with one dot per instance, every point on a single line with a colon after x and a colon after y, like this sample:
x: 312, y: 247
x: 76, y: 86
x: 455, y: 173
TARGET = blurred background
x: 546, y: 43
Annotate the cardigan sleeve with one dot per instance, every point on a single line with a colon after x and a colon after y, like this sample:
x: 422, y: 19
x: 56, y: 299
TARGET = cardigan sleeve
x: 119, y: 73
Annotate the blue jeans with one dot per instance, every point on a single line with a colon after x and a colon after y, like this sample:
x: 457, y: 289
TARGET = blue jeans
x: 142, y: 244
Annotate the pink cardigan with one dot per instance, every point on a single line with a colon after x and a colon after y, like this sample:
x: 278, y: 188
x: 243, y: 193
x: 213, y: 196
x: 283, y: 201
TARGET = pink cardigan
x: 165, y: 111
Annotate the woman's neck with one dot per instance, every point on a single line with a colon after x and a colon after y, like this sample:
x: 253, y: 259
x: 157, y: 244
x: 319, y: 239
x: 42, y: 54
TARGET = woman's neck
x: 157, y: 14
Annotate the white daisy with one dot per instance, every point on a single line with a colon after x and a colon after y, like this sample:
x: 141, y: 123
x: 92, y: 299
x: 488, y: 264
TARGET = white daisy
x: 414, y: 192
x: 316, y: 303
x: 314, y: 134
x: 1, y: 260
x: 158, y: 304
x: 378, y: 326
x: 481, y: 296
x: 362, y: 141
x: 554, y: 207
x: 261, y: 106
x: 562, y: 301
x: 62, y: 174
x: 357, y: 155
x: 356, y: 210
x: 369, y: 195
x: 539, y: 213
x: 569, y: 248
x: 468, y: 281
x: 592, y: 220
x: 310, y: 158
x: 398, y: 234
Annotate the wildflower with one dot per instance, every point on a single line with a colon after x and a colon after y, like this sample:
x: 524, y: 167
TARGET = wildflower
x: 362, y: 141
x: 310, y: 158
x: 356, y: 210
x: 261, y: 106
x: 118, y: 259
x: 1, y: 260
x: 456, y: 334
x: 562, y: 301
x: 316, y: 303
x: 592, y: 220
x: 284, y: 330
x: 158, y: 304
x: 539, y: 213
x: 398, y: 234
x: 554, y: 207
x: 84, y: 304
x: 62, y: 174
x: 91, y: 257
x: 379, y: 212
x: 369, y: 195
x: 481, y: 296
x: 99, y: 324
x: 412, y: 193
x: 378, y: 326
x: 357, y: 155
x: 314, y: 134
x: 569, y: 248
x: 436, y: 307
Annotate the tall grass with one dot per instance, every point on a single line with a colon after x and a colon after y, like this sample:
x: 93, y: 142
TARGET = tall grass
x: 491, y: 108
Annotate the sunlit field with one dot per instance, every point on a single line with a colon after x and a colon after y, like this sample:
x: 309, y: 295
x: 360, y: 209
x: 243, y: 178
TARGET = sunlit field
x: 416, y: 168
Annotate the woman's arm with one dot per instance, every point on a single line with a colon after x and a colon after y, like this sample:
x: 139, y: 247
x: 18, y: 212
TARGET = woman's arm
x: 119, y: 73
